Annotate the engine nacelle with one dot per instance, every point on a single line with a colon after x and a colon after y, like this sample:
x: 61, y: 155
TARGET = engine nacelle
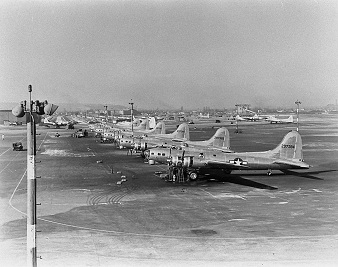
x: 140, y: 146
x: 143, y: 146
x: 187, y: 162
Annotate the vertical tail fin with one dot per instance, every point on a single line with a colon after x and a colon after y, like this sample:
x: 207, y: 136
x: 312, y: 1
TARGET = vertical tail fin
x: 144, y: 125
x: 152, y: 122
x: 136, y: 122
x: 159, y: 128
x: 290, y: 119
x: 220, y: 139
x: 182, y: 132
x: 290, y: 147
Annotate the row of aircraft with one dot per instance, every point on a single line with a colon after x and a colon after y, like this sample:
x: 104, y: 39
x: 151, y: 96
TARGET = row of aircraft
x: 268, y: 118
x: 271, y: 119
x: 189, y: 160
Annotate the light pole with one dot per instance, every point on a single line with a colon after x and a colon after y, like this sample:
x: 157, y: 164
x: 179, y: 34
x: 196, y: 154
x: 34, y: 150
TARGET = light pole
x: 131, y: 114
x: 104, y: 127
x: 298, y: 103
x: 31, y: 110
x: 237, y: 111
x: 106, y: 112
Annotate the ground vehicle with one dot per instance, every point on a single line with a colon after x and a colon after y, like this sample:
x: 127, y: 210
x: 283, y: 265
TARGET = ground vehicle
x: 78, y: 134
x: 17, y: 146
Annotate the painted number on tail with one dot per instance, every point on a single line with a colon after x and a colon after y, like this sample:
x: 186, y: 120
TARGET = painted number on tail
x: 288, y: 146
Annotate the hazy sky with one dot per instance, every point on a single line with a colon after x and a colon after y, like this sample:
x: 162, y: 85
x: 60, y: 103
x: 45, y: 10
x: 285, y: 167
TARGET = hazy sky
x: 170, y: 53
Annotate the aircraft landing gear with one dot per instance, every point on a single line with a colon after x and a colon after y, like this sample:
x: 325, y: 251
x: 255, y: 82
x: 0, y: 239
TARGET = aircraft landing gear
x: 193, y: 176
x: 177, y: 174
x: 269, y: 172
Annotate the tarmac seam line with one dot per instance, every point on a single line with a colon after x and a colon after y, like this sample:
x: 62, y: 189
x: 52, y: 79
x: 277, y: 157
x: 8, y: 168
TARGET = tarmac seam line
x: 16, y: 188
x: 184, y: 237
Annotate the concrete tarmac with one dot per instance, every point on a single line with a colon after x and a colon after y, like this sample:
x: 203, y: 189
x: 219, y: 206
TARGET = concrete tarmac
x: 244, y: 219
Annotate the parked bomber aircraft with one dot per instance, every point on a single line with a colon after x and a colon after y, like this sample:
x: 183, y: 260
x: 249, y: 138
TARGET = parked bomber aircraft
x: 143, y: 143
x: 219, y: 141
x: 139, y: 132
x: 189, y: 163
x: 127, y: 124
x: 49, y: 121
x: 56, y: 121
x: 239, y: 118
x: 273, y: 119
x: 255, y: 117
x: 127, y: 139
x: 143, y: 125
x: 111, y: 133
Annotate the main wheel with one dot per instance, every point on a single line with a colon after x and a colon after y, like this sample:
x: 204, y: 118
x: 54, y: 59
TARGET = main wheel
x: 193, y: 176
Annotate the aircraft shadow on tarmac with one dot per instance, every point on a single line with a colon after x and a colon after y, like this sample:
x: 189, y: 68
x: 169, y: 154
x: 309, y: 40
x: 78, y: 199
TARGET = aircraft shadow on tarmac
x: 238, y: 179
x: 308, y: 175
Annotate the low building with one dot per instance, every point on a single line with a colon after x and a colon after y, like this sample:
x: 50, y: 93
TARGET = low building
x: 6, y: 117
x: 126, y: 112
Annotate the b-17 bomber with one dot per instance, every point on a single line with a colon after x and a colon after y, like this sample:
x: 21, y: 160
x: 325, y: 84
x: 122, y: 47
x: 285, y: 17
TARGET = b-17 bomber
x: 190, y: 162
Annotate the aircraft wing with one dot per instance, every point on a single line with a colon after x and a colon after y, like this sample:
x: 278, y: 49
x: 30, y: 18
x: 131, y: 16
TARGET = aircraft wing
x: 237, y: 163
x: 208, y: 148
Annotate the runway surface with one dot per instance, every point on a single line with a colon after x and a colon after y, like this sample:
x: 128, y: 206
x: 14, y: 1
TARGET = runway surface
x: 245, y: 219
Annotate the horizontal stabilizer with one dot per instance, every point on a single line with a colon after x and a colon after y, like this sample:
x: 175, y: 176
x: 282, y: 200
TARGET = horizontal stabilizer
x: 294, y: 164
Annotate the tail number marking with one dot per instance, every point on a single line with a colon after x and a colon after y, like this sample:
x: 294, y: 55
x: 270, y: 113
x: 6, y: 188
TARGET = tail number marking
x: 288, y: 146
